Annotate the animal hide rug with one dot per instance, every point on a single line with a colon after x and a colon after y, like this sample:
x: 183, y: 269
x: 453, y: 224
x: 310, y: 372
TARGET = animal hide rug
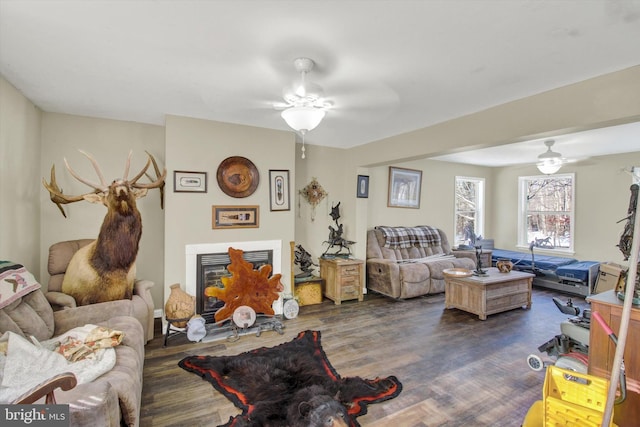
x: 263, y: 383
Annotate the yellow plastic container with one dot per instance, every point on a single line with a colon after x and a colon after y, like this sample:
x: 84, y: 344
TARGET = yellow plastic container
x: 574, y: 399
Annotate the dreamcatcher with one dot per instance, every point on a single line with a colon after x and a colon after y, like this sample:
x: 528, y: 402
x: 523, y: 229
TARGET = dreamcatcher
x: 313, y: 193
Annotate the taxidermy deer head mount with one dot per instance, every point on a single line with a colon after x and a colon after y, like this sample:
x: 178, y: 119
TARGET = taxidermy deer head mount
x: 105, y: 269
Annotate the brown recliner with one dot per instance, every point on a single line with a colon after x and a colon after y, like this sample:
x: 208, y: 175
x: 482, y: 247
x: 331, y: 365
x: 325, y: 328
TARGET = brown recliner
x: 139, y: 306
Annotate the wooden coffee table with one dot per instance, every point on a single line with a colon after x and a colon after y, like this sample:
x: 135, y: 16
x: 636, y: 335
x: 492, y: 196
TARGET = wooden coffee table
x: 494, y: 293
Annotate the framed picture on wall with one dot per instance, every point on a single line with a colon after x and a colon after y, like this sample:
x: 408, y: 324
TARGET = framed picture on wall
x: 362, y: 191
x: 405, y: 186
x: 279, y: 190
x: 235, y: 217
x: 189, y: 182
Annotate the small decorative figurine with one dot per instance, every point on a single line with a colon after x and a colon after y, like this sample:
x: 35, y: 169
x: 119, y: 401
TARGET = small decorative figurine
x: 304, y: 261
x: 335, y: 237
x: 479, y: 271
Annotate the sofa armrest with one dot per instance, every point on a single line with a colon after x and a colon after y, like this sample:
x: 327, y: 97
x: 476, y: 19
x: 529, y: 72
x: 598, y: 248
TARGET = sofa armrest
x: 142, y: 288
x: 383, y: 276
x: 465, y: 254
x: 70, y: 318
x: 59, y: 300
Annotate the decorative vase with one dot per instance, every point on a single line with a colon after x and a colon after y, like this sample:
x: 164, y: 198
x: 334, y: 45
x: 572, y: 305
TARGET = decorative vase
x: 504, y: 265
x: 180, y: 306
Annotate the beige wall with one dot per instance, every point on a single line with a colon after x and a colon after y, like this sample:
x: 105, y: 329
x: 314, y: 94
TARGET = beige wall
x: 602, y: 199
x: 312, y: 225
x: 19, y: 178
x: 200, y: 145
x: 109, y: 142
x: 602, y: 101
x: 437, y: 196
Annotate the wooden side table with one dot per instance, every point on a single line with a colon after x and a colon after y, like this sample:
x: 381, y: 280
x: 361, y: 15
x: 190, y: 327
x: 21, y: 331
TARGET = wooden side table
x: 602, y: 352
x: 343, y: 278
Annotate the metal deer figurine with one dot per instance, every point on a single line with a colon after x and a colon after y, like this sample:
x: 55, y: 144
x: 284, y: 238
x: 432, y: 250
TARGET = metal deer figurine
x: 105, y: 269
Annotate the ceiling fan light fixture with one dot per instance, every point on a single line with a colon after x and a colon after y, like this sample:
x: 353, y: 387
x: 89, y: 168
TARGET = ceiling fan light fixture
x: 303, y: 118
x: 549, y: 162
x: 306, y: 106
x: 549, y: 167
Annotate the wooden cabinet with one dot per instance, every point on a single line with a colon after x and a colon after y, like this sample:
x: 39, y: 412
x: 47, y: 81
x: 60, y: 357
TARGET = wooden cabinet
x: 602, y: 352
x: 343, y: 278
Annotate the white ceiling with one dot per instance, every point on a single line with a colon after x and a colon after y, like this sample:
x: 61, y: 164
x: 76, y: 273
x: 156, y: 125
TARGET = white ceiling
x: 388, y: 66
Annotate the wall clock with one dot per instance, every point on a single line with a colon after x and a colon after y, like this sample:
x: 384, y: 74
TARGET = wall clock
x: 290, y: 309
x: 237, y: 177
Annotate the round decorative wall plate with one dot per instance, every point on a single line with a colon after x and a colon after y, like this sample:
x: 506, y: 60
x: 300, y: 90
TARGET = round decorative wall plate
x: 238, y: 176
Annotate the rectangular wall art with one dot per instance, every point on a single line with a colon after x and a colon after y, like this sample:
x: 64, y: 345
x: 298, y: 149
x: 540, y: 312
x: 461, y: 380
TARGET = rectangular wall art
x: 279, y: 190
x: 362, y: 190
x: 404, y: 188
x: 189, y: 182
x: 235, y: 217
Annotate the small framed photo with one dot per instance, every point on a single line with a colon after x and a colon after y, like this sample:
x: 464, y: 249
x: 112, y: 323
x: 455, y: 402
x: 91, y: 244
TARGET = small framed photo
x: 235, y: 217
x: 279, y: 190
x: 189, y: 182
x: 362, y: 190
x: 404, y: 188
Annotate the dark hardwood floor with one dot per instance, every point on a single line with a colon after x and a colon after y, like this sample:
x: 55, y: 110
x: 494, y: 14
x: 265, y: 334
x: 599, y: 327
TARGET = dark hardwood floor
x: 456, y: 370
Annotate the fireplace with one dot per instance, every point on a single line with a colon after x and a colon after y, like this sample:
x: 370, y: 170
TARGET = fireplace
x: 207, y: 263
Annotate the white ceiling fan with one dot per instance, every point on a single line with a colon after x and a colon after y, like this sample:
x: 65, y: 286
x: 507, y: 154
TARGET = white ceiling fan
x: 303, y: 92
x: 550, y: 161
x: 304, y: 106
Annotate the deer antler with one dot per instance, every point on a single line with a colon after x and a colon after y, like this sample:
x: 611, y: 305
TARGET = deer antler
x: 103, y: 186
x: 157, y: 170
x: 56, y: 195
x: 157, y: 183
x: 59, y: 198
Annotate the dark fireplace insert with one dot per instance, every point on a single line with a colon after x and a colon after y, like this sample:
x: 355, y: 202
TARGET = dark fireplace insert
x: 211, y: 268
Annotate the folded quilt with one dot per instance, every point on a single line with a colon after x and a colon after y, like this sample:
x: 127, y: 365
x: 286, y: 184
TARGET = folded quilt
x: 406, y: 237
x: 26, y: 364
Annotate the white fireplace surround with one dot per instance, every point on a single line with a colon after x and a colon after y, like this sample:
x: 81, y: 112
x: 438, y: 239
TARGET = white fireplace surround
x: 192, y: 252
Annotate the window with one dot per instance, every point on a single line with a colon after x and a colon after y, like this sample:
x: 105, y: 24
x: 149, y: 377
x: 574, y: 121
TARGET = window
x: 469, y: 209
x: 546, y: 213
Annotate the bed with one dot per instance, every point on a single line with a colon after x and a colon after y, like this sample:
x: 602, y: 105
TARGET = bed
x: 554, y: 272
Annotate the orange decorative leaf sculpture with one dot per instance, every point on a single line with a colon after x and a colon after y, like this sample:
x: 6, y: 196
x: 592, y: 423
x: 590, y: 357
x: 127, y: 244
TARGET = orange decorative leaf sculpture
x: 246, y: 286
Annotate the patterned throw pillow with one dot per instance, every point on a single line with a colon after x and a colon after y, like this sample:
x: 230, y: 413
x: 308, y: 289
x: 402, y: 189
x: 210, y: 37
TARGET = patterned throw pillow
x: 15, y: 282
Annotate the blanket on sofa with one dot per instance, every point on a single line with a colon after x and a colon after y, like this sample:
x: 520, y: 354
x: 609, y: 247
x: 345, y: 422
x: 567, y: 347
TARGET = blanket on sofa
x: 25, y: 364
x: 15, y: 282
x: 406, y: 237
